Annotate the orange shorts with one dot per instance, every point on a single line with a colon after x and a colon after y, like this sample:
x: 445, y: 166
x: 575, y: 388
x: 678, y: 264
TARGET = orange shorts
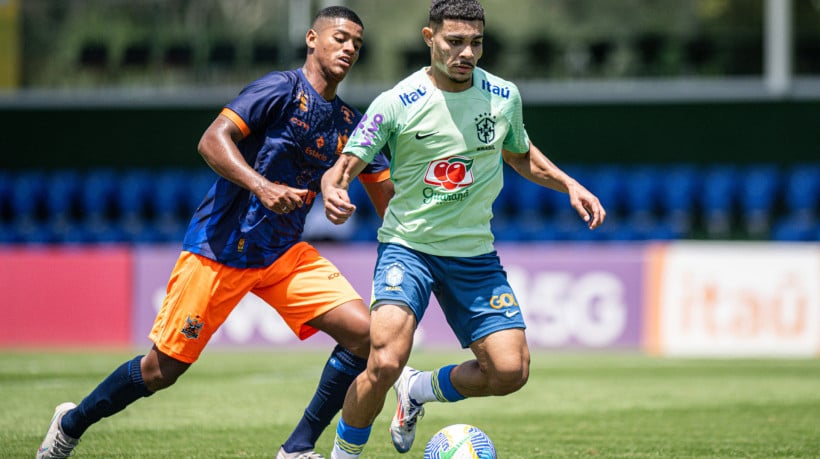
x: 301, y: 285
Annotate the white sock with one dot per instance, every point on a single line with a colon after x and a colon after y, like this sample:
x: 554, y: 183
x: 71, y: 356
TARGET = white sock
x: 421, y: 387
x: 337, y: 453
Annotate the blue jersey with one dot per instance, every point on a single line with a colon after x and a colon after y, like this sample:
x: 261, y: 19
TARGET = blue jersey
x: 292, y: 136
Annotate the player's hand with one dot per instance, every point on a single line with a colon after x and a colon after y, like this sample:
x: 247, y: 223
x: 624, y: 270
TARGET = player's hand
x: 338, y: 207
x: 281, y: 199
x: 587, y: 205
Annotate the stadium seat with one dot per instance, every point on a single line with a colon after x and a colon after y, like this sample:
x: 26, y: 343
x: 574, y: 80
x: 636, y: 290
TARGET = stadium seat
x: 607, y: 183
x: 795, y: 228
x: 168, y: 198
x: 61, y: 195
x: 640, y: 186
x: 530, y: 201
x: 97, y: 194
x: 27, y: 195
x: 134, y: 194
x: 718, y: 199
x: 677, y: 195
x: 802, y: 189
x: 758, y: 196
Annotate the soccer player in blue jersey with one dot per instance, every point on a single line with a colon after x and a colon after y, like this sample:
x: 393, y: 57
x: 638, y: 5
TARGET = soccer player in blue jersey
x: 450, y: 127
x: 270, y: 147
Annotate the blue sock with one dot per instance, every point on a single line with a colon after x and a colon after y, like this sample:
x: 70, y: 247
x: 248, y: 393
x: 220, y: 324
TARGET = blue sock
x: 443, y: 387
x: 340, y: 370
x: 118, y: 390
x: 351, y: 439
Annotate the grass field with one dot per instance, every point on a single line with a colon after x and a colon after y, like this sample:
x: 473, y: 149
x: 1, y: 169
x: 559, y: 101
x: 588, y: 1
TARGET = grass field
x: 244, y: 404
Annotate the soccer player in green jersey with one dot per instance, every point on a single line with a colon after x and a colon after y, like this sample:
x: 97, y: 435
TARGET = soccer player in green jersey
x: 450, y: 127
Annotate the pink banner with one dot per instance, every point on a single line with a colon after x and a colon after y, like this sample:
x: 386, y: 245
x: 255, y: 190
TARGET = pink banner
x: 65, y: 296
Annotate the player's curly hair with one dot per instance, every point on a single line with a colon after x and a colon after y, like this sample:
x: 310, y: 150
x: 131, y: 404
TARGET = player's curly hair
x: 339, y: 12
x: 464, y: 10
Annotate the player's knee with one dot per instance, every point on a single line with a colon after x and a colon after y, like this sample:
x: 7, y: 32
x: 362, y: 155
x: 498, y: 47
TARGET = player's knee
x: 161, y: 374
x: 386, y: 367
x: 508, y: 380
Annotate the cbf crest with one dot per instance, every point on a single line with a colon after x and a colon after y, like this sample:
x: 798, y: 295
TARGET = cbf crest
x: 485, y: 127
x: 394, y: 276
x: 192, y: 327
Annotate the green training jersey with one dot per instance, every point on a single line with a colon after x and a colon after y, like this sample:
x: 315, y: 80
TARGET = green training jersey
x: 445, y: 159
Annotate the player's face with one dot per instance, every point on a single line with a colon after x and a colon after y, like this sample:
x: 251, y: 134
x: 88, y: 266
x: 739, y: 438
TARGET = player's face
x: 335, y: 44
x: 455, y: 48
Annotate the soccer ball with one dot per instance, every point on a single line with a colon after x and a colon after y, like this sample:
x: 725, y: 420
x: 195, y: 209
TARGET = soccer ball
x: 460, y: 441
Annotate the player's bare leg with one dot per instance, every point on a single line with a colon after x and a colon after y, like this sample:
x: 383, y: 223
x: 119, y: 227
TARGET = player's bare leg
x: 391, y: 337
x: 502, y: 365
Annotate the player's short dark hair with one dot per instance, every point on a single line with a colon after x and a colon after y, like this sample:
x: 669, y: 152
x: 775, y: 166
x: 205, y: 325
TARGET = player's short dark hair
x: 463, y: 10
x: 339, y: 12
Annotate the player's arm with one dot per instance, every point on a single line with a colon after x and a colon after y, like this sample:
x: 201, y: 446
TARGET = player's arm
x: 218, y: 148
x: 536, y: 167
x: 335, y: 183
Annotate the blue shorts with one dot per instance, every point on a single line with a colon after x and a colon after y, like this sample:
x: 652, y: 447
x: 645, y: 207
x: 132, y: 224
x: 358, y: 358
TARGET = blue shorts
x: 473, y: 292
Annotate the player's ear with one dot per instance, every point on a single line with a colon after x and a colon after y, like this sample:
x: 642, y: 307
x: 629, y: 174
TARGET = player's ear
x: 310, y: 38
x: 427, y: 33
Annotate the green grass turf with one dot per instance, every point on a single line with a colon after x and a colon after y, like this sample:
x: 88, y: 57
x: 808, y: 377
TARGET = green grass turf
x: 244, y: 404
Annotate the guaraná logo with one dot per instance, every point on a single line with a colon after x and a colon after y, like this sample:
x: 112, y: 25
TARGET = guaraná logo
x: 450, y: 173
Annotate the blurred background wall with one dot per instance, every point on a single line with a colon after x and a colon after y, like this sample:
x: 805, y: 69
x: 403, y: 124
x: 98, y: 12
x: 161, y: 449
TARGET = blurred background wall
x: 695, y: 122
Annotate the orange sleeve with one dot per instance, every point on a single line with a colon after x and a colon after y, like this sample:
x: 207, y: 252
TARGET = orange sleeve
x: 237, y: 120
x: 375, y: 177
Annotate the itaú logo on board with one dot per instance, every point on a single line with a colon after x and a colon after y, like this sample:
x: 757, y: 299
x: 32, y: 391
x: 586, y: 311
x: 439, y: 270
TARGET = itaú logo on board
x: 450, y: 173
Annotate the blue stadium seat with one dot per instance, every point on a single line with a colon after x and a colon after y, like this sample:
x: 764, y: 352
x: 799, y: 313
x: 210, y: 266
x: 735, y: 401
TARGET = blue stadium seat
x: 170, y: 199
x: 796, y: 228
x: 802, y: 189
x: 758, y: 196
x: 640, y: 185
x: 61, y: 195
x: 530, y: 199
x: 97, y: 194
x: 27, y: 195
x: 507, y: 200
x: 718, y: 195
x: 134, y: 194
x: 678, y: 193
x: 607, y: 183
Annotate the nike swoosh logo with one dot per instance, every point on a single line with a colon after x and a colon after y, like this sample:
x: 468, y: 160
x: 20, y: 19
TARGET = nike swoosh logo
x: 512, y: 313
x: 420, y: 136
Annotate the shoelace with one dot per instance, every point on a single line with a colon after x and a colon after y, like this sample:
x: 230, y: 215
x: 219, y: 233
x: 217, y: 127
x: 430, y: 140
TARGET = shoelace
x: 63, y: 446
x: 412, y: 417
x: 311, y: 455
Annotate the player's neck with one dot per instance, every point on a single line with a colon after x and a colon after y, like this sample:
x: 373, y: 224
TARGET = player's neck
x: 325, y: 86
x: 447, y: 84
